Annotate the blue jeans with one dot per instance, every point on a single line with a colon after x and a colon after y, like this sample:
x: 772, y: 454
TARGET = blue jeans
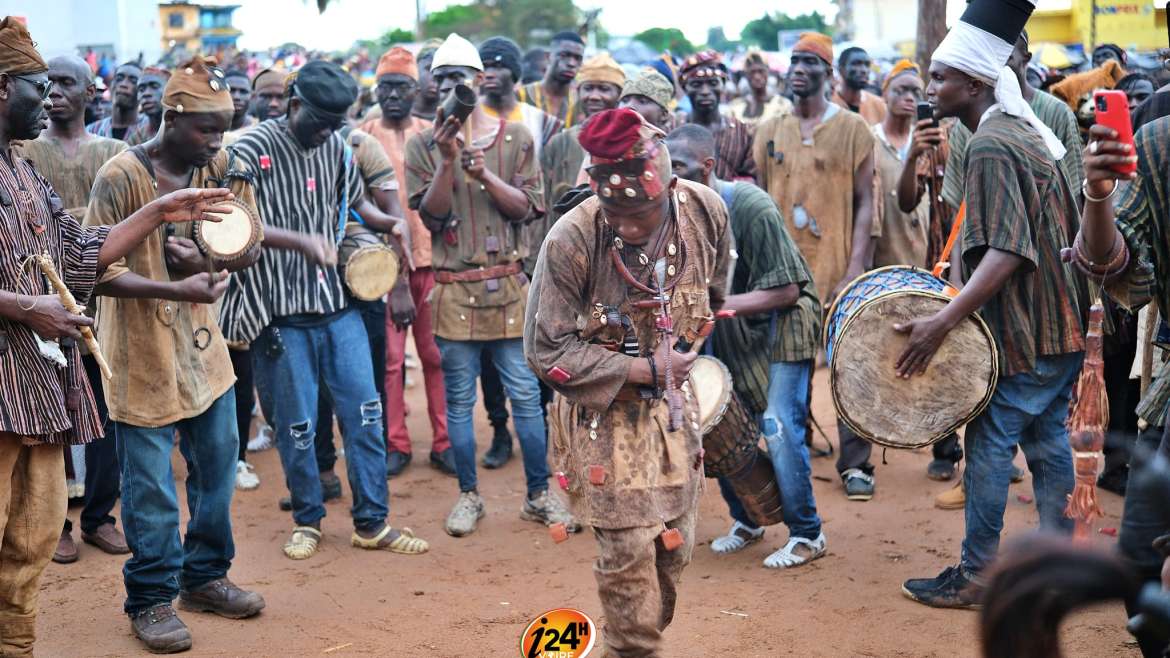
x: 160, y: 561
x: 1028, y: 409
x: 783, y: 425
x: 289, y: 362
x: 461, y: 367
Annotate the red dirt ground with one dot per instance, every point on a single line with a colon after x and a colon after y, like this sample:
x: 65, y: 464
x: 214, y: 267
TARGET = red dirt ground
x: 472, y: 597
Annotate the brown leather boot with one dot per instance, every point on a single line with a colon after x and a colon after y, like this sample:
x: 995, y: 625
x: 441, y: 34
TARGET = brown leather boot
x: 223, y: 598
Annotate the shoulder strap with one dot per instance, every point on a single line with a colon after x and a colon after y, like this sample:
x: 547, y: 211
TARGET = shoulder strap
x: 944, y: 259
x: 343, y: 215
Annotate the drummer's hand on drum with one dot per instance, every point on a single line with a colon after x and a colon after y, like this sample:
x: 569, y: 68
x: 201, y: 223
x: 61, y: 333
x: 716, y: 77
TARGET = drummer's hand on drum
x: 402, y: 310
x: 319, y: 250
x: 681, y: 363
x: 202, y: 288
x: 926, y: 336
x: 191, y: 204
x: 184, y: 256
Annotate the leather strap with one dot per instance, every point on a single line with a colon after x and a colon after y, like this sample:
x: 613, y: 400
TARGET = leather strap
x: 483, y: 274
x: 944, y: 259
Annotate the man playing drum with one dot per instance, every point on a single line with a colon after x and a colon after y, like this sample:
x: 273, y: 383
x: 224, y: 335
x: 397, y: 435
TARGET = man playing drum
x: 294, y: 310
x: 157, y: 327
x: 619, y: 280
x: 1021, y: 213
x: 769, y: 347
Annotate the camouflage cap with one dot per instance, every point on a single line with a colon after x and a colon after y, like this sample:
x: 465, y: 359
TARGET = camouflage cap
x: 652, y: 85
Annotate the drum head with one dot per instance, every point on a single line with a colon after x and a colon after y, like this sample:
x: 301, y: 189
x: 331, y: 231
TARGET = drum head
x: 231, y: 236
x: 712, y: 382
x: 910, y: 413
x: 371, y: 271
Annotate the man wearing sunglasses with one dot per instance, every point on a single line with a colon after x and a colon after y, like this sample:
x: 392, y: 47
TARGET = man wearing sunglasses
x: 69, y: 158
x: 45, y: 401
x: 125, y: 122
x: 293, y: 309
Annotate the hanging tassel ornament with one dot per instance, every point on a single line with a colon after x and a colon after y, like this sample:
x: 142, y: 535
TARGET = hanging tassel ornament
x: 1087, y: 419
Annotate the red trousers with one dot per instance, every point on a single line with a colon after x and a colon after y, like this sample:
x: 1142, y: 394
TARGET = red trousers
x: 397, y: 438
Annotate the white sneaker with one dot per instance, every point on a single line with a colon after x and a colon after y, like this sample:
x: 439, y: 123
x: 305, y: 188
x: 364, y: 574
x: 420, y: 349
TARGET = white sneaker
x: 246, y: 478
x: 262, y: 441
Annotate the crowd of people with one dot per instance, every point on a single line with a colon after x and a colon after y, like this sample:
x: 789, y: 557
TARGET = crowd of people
x: 572, y: 242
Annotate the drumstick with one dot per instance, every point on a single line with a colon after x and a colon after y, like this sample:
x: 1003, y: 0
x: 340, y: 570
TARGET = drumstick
x: 70, y: 304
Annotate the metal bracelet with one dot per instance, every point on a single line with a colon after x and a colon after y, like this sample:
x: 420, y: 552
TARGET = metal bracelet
x: 1089, y: 197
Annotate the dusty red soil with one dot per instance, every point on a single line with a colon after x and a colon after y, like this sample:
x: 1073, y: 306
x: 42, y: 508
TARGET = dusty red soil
x: 472, y: 597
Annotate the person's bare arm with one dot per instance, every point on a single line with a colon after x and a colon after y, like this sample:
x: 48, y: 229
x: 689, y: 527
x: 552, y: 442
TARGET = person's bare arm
x: 44, y: 314
x: 927, y: 334
x: 179, y: 206
x: 759, y: 302
x: 378, y: 220
x: 509, y: 200
x: 436, y: 202
x: 316, y: 248
x: 861, y: 251
x: 198, y: 288
x: 1099, y: 233
x: 910, y: 187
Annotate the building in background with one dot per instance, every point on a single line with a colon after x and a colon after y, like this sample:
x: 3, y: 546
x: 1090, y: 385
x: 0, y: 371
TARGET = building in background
x: 1131, y: 24
x: 196, y: 28
x: 122, y: 31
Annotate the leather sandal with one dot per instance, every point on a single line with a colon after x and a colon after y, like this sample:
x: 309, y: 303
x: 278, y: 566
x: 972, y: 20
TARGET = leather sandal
x: 404, y: 544
x: 302, y: 545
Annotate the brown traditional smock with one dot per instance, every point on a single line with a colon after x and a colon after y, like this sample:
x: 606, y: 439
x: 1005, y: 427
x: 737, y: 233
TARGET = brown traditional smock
x: 651, y: 475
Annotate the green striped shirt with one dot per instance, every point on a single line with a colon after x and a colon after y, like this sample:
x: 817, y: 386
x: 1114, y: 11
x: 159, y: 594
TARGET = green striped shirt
x: 768, y: 258
x: 1053, y: 112
x: 1143, y: 217
x: 1018, y: 201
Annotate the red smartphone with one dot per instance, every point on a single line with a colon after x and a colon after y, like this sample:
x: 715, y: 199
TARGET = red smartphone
x: 1112, y: 109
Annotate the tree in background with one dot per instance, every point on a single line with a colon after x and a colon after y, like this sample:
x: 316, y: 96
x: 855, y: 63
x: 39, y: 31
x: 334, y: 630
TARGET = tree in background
x: 528, y: 22
x: 717, y: 40
x: 660, y: 39
x: 764, y: 32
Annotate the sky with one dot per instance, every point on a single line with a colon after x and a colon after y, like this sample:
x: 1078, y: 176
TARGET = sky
x: 272, y: 22
x: 268, y: 23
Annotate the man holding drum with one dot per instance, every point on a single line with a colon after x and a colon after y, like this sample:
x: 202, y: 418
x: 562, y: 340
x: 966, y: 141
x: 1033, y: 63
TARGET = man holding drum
x: 292, y: 307
x: 476, y: 184
x: 769, y: 347
x: 158, y: 327
x: 624, y: 279
x: 1020, y: 214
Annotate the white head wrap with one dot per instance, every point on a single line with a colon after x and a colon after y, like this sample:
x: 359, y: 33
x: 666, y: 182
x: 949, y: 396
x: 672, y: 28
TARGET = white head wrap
x: 983, y: 56
x: 457, y: 51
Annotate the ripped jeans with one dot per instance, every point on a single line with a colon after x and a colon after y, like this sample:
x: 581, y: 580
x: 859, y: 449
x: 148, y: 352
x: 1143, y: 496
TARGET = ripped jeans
x: 289, y: 361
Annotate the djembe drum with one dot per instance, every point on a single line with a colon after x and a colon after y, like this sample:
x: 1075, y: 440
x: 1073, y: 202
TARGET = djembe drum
x: 368, y: 265
x: 231, y: 237
x: 731, y: 443
x: 862, y: 349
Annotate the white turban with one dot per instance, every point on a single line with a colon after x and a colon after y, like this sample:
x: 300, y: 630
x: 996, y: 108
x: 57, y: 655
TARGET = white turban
x: 457, y: 51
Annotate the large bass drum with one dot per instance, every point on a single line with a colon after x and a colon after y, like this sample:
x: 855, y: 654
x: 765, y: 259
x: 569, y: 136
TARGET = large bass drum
x: 862, y: 349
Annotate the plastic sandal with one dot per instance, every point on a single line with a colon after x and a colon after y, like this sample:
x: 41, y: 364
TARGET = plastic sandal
x: 733, y: 541
x: 404, y: 544
x: 785, y: 558
x: 302, y: 545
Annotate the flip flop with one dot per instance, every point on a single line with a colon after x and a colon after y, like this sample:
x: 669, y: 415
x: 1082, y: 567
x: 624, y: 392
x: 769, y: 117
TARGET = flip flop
x: 302, y: 545
x: 404, y: 544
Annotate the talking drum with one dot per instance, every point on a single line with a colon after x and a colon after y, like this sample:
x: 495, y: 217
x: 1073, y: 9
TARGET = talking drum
x: 231, y: 237
x: 368, y: 265
x: 731, y: 443
x: 862, y: 350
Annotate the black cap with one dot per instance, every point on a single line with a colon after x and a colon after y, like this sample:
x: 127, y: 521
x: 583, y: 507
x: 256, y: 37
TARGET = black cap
x: 325, y: 86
